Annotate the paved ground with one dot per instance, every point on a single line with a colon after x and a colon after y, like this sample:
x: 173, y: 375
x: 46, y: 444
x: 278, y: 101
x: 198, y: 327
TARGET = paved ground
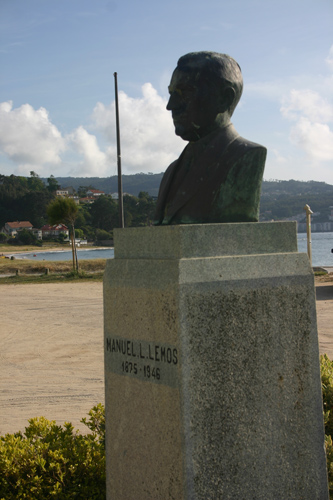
x: 51, y: 357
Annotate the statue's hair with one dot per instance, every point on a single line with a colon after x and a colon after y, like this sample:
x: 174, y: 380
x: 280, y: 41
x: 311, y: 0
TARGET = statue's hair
x: 219, y: 69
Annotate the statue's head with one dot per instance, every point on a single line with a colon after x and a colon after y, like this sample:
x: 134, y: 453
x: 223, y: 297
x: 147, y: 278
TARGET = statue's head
x: 204, y: 91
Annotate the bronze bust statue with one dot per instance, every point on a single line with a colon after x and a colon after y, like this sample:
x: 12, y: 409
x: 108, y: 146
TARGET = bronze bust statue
x: 218, y: 176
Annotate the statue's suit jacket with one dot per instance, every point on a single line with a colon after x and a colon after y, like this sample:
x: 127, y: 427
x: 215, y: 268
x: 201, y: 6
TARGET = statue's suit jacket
x: 216, y: 179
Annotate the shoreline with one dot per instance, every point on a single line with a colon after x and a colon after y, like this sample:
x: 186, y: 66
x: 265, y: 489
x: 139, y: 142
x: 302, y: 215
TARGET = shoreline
x: 7, y: 255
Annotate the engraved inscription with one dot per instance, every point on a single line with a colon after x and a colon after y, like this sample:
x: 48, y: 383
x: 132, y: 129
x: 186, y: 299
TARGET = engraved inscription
x: 148, y: 361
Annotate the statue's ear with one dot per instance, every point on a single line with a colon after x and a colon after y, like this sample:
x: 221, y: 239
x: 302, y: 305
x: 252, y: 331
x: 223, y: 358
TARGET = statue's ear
x: 227, y: 97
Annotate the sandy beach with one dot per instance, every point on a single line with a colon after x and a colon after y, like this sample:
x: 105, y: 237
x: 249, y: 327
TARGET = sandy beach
x: 52, y: 350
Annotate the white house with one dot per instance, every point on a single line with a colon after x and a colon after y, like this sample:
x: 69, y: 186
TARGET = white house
x: 38, y: 233
x: 62, y: 192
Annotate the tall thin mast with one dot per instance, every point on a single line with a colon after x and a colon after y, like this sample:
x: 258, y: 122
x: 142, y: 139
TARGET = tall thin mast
x: 120, y: 181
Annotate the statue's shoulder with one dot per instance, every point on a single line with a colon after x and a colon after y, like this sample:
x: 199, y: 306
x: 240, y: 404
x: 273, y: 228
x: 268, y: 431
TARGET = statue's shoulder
x: 230, y: 146
x: 236, y: 141
x: 241, y: 150
x: 246, y: 145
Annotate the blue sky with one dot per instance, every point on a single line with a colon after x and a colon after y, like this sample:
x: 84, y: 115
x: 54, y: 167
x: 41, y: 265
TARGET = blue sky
x: 57, y: 86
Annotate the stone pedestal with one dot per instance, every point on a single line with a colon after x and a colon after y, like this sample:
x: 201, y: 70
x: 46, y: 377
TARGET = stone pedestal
x: 212, y: 366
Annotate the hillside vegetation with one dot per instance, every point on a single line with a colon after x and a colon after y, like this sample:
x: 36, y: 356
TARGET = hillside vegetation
x: 23, y: 198
x: 287, y: 198
x: 281, y: 198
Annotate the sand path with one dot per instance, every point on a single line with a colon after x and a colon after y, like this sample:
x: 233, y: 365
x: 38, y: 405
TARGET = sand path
x: 51, y: 352
x: 51, y: 357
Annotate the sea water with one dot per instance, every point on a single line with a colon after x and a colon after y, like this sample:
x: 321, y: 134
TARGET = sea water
x: 98, y: 253
x: 322, y: 244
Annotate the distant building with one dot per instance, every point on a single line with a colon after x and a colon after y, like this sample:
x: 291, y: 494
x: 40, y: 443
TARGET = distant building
x: 331, y: 216
x: 94, y: 192
x: 55, y: 230
x: 316, y: 227
x: 38, y: 233
x: 70, y: 190
x: 12, y: 228
x: 62, y: 192
x: 115, y: 196
x: 87, y: 200
x: 75, y: 198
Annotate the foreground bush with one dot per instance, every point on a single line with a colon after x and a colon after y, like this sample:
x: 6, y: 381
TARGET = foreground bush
x: 49, y: 461
x: 326, y: 368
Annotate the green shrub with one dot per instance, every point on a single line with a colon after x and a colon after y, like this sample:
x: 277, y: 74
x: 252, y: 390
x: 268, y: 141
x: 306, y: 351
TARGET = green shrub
x: 49, y: 461
x: 25, y: 237
x: 326, y: 368
x: 103, y: 235
x: 79, y: 233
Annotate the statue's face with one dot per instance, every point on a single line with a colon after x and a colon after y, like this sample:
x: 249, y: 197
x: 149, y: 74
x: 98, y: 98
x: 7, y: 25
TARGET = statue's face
x: 193, y: 105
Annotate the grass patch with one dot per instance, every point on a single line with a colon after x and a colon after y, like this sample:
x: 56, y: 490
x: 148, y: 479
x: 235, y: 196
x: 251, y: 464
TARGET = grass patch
x: 46, y: 246
x: 34, y: 271
x: 50, y: 278
x: 8, y: 266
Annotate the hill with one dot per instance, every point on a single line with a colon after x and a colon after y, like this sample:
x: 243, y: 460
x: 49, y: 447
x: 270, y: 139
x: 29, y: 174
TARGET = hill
x: 132, y: 184
x: 279, y: 199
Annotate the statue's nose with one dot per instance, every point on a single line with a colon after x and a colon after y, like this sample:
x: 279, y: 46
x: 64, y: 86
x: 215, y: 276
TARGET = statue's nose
x: 174, y: 101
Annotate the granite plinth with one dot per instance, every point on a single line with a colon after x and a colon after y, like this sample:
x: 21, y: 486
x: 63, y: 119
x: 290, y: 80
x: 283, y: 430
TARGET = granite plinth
x: 212, y: 365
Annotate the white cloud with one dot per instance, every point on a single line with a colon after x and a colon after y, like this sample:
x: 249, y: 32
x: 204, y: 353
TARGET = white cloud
x: 312, y: 114
x: 316, y: 139
x: 95, y: 162
x: 306, y: 103
x: 28, y: 137
x: 311, y: 131
x: 148, y: 141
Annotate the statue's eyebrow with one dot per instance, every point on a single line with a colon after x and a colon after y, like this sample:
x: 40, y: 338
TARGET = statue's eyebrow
x: 176, y: 89
x: 179, y: 88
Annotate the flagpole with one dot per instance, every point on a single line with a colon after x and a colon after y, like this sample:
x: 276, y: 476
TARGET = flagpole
x: 120, y: 182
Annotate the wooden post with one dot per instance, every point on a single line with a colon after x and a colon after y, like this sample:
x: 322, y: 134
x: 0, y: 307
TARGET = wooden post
x: 73, y: 248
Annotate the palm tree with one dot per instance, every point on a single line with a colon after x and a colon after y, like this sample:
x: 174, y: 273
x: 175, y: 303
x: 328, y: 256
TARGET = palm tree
x: 65, y: 210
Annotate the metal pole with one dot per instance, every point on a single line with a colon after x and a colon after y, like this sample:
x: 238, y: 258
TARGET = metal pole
x: 308, y: 231
x: 120, y: 181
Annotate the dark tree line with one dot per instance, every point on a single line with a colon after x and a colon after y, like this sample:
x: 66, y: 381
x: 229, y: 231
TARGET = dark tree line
x: 102, y: 215
x: 23, y: 198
